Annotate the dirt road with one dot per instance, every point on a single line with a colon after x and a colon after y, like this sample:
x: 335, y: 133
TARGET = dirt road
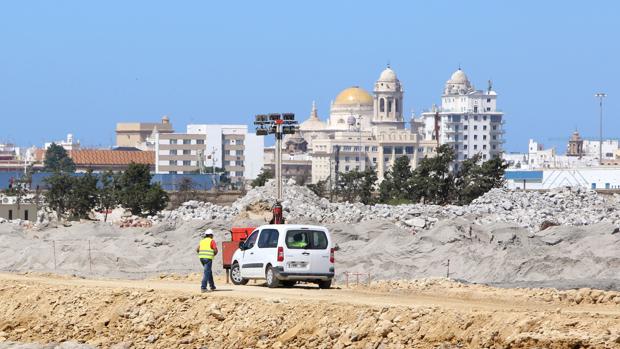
x: 172, y: 313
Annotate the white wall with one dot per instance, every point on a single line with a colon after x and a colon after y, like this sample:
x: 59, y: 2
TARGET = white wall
x: 254, y: 159
x: 583, y: 178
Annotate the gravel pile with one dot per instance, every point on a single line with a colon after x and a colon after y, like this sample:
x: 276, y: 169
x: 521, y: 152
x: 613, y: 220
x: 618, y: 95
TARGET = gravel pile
x: 566, y: 206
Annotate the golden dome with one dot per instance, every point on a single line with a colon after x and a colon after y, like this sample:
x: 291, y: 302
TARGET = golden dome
x: 353, y: 96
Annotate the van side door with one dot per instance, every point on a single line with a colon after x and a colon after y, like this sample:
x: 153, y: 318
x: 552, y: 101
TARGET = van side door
x: 268, y: 247
x: 248, y: 263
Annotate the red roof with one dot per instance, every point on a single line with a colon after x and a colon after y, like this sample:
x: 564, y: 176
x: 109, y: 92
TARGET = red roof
x: 111, y: 157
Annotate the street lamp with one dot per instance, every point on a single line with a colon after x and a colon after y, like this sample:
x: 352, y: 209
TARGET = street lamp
x: 601, y: 96
x: 276, y: 124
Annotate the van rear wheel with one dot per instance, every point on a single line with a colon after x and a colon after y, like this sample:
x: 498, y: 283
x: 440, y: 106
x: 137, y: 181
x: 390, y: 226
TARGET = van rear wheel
x: 235, y: 275
x: 325, y: 284
x: 270, y: 276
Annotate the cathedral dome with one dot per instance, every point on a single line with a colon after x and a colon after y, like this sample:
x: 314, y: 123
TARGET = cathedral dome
x: 313, y: 123
x: 353, y: 96
x: 388, y: 75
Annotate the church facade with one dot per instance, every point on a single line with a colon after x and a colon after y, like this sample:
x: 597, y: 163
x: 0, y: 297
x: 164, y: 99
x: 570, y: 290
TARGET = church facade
x: 369, y: 130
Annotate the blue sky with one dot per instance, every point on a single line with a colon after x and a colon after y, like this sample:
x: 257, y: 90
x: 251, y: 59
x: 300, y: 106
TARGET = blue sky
x: 82, y: 66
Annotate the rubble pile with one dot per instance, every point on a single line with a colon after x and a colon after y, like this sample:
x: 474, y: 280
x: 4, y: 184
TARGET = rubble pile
x: 565, y: 206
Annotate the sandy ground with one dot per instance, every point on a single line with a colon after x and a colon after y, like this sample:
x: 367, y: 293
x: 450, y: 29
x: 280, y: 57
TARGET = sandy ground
x: 103, y: 313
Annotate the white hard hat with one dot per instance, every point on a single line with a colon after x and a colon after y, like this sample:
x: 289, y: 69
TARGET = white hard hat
x: 208, y: 232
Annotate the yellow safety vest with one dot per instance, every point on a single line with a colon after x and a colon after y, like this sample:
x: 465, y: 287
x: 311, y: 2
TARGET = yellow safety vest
x: 205, y: 249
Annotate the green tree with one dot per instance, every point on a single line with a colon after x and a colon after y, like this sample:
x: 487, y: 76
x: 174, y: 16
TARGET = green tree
x: 396, y: 185
x: 319, y: 188
x: 262, y: 178
x: 155, y: 199
x: 83, y: 195
x: 474, y: 178
x: 57, y: 160
x: 357, y: 185
x: 433, y: 180
x: 137, y: 193
x: 108, y: 189
x: 58, y: 195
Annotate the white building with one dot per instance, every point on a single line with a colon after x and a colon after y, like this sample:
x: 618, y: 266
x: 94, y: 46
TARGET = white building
x: 591, y: 148
x: 468, y: 119
x: 179, y: 153
x: 232, y: 148
x: 68, y: 144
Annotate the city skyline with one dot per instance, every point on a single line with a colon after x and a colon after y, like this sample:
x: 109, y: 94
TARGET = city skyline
x: 81, y: 68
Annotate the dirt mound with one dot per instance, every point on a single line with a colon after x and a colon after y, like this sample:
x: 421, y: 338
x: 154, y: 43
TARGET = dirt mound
x: 165, y: 318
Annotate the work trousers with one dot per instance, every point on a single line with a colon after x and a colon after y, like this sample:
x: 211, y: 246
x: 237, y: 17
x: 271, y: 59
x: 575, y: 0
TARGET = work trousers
x: 207, y: 276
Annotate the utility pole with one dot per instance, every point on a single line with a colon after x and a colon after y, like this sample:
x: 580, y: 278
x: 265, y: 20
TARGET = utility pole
x: 601, y: 96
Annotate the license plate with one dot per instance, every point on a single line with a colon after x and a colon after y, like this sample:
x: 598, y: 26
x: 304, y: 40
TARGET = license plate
x: 297, y: 264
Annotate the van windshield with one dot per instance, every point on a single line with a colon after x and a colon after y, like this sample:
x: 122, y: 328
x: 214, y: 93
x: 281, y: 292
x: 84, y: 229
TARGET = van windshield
x: 306, y: 239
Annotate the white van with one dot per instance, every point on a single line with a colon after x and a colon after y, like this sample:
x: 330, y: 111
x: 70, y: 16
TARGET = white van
x: 283, y: 254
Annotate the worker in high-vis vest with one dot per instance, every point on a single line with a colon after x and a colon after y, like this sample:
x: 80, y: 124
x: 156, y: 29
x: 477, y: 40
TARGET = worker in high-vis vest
x: 207, y: 249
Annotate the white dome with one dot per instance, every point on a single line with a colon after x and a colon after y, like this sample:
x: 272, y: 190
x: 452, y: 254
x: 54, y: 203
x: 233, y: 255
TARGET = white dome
x: 459, y: 77
x: 388, y: 75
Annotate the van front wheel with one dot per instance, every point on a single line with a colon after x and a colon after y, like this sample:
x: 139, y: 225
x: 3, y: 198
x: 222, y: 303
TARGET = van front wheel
x: 235, y: 275
x: 270, y: 276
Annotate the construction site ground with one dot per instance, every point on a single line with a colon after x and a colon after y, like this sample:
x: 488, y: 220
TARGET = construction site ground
x: 172, y: 313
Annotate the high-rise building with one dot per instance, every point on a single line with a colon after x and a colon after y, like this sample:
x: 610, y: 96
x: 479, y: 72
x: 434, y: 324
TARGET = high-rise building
x: 178, y: 153
x: 468, y: 120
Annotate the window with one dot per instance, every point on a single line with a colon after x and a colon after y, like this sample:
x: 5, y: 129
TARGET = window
x: 494, y: 127
x: 484, y: 137
x: 172, y: 172
x: 389, y: 105
x: 386, y: 159
x: 268, y: 238
x: 465, y: 137
x: 357, y: 159
x: 475, y: 108
x: 475, y: 127
x: 494, y: 137
x: 484, y: 156
x: 494, y: 147
x: 484, y: 117
x: 10, y: 214
x: 488, y: 108
x: 465, y: 146
x: 475, y: 146
x: 239, y: 173
x: 239, y: 141
x: 187, y: 152
x: 306, y: 239
x: 200, y: 141
x: 484, y: 146
x: 187, y: 141
x: 346, y: 168
x: 382, y: 105
x: 173, y: 141
x: 26, y: 215
x: 398, y: 150
x: 173, y: 152
x: 187, y: 163
x: 484, y: 127
x: 409, y: 150
x: 249, y: 243
x: 475, y: 117
x: 475, y: 137
x: 347, y: 159
x: 456, y: 147
x: 387, y: 150
x: 374, y: 149
x: 464, y: 127
x: 172, y: 163
x: 374, y: 159
x: 488, y: 100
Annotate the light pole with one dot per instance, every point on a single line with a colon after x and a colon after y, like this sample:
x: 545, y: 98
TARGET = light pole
x: 276, y: 124
x: 601, y: 96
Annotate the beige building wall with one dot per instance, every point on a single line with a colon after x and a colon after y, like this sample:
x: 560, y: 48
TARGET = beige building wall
x: 134, y: 134
x: 27, y: 212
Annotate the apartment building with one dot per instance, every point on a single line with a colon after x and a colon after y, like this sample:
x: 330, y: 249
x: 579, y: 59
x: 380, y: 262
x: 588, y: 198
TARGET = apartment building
x: 178, y: 153
x: 232, y: 148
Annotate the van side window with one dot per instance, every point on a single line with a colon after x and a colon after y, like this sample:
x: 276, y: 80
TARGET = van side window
x: 249, y: 243
x: 306, y: 239
x: 268, y: 238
